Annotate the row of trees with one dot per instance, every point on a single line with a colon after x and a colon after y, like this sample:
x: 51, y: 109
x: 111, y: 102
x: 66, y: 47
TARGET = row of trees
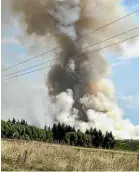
x: 21, y: 130
x: 59, y: 133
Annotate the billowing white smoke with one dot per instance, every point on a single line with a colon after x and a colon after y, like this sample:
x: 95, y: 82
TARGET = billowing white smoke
x: 109, y: 119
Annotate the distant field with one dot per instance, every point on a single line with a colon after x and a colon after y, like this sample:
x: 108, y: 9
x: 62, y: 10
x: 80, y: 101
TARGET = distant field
x: 31, y: 155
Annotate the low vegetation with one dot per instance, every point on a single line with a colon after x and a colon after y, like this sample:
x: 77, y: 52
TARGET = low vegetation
x: 41, y: 156
x: 130, y: 145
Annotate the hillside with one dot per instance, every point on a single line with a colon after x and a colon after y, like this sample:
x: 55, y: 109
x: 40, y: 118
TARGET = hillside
x: 32, y: 155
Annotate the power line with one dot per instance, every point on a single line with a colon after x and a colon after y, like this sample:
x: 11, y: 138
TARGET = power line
x: 29, y: 67
x: 109, y: 24
x: 30, y: 59
x: 112, y: 37
x: 76, y: 39
x: 80, y: 50
x: 27, y: 72
x: 86, y: 54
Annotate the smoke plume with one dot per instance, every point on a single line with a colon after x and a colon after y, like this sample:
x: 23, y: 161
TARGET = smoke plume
x: 78, y: 84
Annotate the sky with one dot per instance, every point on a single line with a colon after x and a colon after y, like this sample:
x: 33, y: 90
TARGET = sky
x: 26, y: 96
x: 125, y: 75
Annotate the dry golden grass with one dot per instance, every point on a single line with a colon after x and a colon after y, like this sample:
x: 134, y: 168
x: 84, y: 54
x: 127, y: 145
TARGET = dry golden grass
x: 31, y: 155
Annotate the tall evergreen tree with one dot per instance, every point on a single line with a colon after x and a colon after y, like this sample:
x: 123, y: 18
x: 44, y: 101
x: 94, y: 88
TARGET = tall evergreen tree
x: 13, y: 121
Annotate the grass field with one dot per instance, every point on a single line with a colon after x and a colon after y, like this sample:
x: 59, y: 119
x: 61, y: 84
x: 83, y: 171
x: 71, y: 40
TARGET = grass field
x: 31, y: 155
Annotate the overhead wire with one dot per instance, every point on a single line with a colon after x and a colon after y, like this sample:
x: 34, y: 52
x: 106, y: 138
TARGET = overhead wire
x: 75, y: 39
x: 86, y: 54
x: 80, y: 50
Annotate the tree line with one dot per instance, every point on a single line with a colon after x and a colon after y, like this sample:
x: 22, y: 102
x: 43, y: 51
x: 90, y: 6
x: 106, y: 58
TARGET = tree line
x: 58, y: 133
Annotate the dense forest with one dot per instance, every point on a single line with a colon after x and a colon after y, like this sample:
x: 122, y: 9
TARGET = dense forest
x: 64, y: 134
x: 58, y: 133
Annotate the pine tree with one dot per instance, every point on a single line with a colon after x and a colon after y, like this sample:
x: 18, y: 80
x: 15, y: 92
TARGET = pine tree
x: 54, y: 130
x: 45, y: 126
x: 13, y: 121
